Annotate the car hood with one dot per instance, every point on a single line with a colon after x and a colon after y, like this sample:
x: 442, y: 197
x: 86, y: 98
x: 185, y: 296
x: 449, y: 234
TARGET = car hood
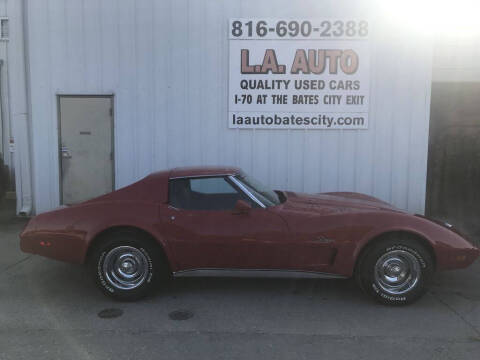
x: 340, y: 200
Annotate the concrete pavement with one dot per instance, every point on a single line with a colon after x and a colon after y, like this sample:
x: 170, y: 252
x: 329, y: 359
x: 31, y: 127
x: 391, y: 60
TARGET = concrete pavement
x: 48, y: 310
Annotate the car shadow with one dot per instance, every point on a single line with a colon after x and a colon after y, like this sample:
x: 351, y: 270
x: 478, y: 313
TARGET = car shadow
x: 324, y: 289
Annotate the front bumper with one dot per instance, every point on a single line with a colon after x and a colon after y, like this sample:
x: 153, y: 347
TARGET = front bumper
x: 463, y: 258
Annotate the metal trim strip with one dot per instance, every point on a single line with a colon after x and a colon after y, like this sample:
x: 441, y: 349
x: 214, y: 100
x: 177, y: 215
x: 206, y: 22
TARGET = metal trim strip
x: 255, y: 273
x: 246, y: 191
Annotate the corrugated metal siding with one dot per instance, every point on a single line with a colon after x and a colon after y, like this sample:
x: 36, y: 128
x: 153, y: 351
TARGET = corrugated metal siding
x: 166, y: 62
x: 4, y: 115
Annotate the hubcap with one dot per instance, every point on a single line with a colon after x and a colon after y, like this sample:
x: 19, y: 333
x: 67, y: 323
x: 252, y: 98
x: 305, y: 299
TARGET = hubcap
x: 125, y: 267
x: 397, y: 272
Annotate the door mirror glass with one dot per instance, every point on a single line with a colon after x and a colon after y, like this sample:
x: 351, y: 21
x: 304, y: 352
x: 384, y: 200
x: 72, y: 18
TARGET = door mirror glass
x: 242, y: 207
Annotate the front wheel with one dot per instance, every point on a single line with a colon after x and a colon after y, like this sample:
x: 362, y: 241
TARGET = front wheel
x: 126, y: 265
x: 396, y: 271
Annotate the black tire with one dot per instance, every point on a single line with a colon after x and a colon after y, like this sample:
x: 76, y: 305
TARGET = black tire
x: 138, y: 253
x: 383, y: 258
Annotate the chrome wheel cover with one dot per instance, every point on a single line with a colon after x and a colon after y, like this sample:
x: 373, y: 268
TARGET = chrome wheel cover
x: 125, y: 267
x: 397, y: 272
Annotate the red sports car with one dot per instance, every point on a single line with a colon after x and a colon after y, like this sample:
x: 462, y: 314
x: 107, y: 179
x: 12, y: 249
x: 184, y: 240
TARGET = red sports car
x: 214, y: 221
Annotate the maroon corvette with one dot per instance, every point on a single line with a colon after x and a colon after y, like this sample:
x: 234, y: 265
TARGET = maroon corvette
x: 220, y: 221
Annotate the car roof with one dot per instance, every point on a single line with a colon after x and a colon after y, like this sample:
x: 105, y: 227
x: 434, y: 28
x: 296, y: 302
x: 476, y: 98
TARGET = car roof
x: 194, y: 171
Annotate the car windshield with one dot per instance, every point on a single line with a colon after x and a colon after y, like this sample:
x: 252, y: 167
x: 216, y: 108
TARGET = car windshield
x: 267, y: 196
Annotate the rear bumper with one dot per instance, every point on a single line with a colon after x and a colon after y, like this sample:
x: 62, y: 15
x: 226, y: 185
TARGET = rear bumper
x: 61, y: 246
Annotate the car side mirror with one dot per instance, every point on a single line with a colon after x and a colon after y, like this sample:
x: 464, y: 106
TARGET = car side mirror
x: 241, y: 207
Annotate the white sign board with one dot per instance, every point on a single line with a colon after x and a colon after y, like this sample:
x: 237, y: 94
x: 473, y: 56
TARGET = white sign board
x: 299, y: 74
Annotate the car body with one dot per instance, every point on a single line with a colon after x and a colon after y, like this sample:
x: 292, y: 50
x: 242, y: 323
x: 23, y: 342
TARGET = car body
x: 211, y: 229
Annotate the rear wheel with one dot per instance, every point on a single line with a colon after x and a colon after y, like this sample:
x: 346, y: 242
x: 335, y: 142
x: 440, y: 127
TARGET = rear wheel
x: 127, y: 265
x: 395, y: 271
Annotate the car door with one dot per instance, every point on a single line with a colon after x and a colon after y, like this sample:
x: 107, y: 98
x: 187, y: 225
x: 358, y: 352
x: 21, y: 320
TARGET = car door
x: 205, y: 232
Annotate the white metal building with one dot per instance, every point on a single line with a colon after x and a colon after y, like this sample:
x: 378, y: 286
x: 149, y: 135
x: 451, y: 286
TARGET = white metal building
x: 162, y: 66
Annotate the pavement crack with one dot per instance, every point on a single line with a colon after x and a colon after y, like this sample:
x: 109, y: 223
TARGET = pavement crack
x: 460, y: 316
x: 16, y: 263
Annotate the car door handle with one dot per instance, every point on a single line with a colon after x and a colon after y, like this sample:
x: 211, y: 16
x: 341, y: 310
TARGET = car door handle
x: 66, y: 154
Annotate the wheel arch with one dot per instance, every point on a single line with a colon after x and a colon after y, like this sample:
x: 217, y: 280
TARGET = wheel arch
x: 100, y: 236
x: 389, y: 234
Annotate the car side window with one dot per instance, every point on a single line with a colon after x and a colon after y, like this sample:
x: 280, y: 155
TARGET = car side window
x: 209, y: 193
x: 211, y: 186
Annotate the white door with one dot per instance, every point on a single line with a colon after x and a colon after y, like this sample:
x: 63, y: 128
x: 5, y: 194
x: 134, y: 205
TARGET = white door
x: 86, y: 148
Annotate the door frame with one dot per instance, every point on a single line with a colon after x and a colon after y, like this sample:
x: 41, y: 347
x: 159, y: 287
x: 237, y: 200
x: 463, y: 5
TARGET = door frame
x: 110, y: 96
